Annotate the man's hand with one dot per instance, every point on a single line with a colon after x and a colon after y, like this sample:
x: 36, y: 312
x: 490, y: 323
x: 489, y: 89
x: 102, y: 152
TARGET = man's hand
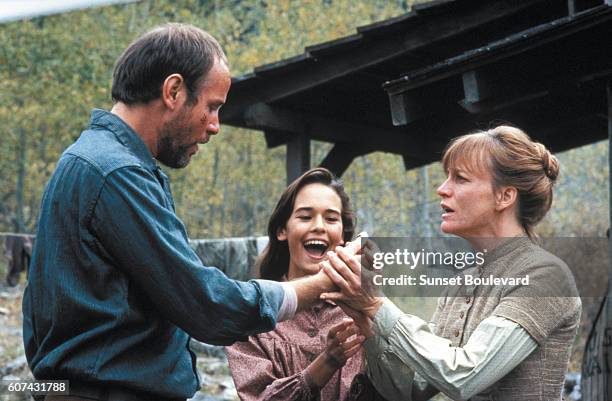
x: 308, y: 289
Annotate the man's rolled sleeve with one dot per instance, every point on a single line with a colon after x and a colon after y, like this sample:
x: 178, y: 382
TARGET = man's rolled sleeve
x: 290, y: 303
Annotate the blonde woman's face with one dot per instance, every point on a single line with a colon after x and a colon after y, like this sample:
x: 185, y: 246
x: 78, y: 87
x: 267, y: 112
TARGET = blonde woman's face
x: 314, y: 227
x: 468, y: 203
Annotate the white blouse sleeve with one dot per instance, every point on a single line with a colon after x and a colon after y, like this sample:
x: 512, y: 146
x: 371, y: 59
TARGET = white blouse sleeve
x: 405, y: 344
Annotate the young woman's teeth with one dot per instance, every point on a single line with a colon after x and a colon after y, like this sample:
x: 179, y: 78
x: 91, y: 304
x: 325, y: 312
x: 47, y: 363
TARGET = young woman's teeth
x: 316, y: 246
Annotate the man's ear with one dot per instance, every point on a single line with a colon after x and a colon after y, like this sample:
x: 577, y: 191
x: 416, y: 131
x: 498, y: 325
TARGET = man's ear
x: 173, y: 91
x: 505, y: 197
x: 281, y: 234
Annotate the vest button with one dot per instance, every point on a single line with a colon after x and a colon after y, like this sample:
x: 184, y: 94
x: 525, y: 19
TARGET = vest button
x: 468, y: 300
x: 456, y: 333
x: 313, y: 332
x: 462, y: 314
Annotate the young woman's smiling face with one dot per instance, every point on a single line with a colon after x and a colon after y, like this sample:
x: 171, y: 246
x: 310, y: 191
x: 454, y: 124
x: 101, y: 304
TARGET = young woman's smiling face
x: 313, y: 228
x: 468, y: 202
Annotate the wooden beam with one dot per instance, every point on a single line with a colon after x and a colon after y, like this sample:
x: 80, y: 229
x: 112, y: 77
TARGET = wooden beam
x: 264, y: 117
x: 497, y: 86
x: 576, y: 6
x: 409, y: 107
x: 341, y: 156
x: 274, y: 119
x: 275, y: 138
x: 571, y: 7
x: 298, y: 156
x: 500, y: 103
x: 478, y: 85
x: 410, y: 163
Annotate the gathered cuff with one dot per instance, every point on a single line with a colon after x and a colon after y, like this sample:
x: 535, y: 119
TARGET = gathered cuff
x: 309, y: 390
x: 386, y: 318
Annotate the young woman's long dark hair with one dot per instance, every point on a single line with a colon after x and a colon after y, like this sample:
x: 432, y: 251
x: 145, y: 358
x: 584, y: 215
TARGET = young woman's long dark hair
x: 274, y: 260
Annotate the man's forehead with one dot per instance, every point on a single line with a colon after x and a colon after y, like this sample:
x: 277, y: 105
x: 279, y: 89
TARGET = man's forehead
x: 219, y: 73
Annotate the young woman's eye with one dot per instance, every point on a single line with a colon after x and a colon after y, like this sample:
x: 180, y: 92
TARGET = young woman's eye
x: 303, y: 217
x: 332, y: 219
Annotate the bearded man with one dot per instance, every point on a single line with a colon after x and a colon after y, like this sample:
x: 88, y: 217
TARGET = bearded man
x: 115, y: 291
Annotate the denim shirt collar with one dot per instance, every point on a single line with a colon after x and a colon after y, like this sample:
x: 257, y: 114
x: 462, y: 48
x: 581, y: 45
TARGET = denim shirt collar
x: 125, y: 134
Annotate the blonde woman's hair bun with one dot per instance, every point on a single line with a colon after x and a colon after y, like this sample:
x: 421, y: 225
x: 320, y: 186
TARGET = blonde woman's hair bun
x: 550, y: 164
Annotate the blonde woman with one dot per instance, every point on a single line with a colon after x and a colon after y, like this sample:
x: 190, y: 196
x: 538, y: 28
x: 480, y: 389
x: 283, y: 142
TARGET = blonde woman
x: 498, y: 342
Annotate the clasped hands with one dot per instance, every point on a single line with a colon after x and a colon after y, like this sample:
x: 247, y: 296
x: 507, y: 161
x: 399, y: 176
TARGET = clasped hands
x: 356, y: 295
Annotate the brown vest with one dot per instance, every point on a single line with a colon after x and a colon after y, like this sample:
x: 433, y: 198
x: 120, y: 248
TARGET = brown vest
x: 548, y: 308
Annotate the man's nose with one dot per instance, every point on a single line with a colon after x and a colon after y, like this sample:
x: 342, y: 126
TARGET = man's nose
x: 212, y: 126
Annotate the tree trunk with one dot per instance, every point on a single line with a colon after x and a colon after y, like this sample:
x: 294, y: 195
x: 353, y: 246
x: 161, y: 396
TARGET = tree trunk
x: 212, y: 209
x: 19, y: 222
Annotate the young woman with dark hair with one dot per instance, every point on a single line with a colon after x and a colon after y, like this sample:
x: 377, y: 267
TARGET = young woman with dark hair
x: 317, y: 354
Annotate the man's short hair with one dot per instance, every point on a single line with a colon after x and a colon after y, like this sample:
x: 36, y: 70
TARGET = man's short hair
x: 172, y: 48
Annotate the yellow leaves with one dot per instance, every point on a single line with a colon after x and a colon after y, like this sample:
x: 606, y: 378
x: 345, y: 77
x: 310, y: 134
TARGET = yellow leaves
x: 185, y: 14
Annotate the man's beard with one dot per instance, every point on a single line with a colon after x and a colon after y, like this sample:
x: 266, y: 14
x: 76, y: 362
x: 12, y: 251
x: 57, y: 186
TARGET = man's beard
x: 170, y: 151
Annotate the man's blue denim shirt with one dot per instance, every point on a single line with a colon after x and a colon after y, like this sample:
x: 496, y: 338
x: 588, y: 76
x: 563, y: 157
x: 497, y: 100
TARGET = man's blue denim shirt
x: 114, y: 289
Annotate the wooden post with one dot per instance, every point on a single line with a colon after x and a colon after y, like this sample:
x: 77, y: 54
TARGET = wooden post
x: 298, y: 156
x: 610, y: 184
x: 341, y: 156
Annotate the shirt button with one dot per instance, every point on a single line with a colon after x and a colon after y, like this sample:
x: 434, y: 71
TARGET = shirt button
x: 456, y: 333
x: 468, y: 300
x: 461, y: 315
x: 313, y: 332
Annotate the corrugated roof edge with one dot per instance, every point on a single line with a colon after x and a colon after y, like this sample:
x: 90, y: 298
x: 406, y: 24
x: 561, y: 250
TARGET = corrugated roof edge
x: 243, y: 77
x: 324, y: 48
x: 321, y: 49
x: 432, y: 6
x: 386, y: 25
x: 267, y: 68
